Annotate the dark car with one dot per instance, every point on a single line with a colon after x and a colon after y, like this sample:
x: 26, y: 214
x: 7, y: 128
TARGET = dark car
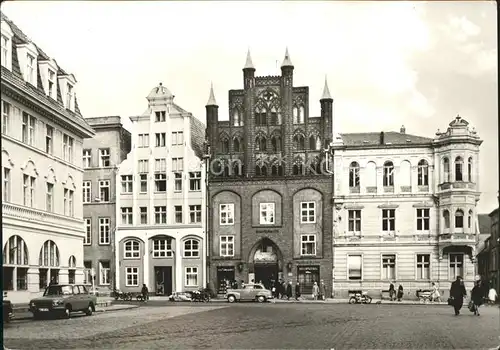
x: 7, y: 308
x: 63, y: 299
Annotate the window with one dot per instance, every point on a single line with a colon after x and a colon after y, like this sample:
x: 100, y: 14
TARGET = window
x: 87, y: 191
x: 195, y: 181
x: 354, y: 175
x: 49, y: 205
x: 275, y: 143
x: 308, y: 245
x: 72, y: 272
x: 423, y: 173
x: 446, y: 217
x: 86, y: 272
x: 132, y: 249
x: 143, y: 166
x: 6, y: 184
x: 388, y: 267
x: 49, y: 134
x: 226, y: 214
x: 127, y: 184
x: 298, y: 142
x: 177, y: 182
x: 68, y: 148
x: 469, y: 220
x: 87, y: 240
x: 191, y: 248
x: 87, y: 158
x: 446, y: 169
x: 226, y: 245
x: 104, y: 157
x: 160, y: 139
x: 354, y: 267
x: 5, y: 50
x: 132, y: 276
x: 423, y: 267
x: 236, y: 144
x: 143, y: 140
x: 161, y: 215
x: 15, y: 263
x: 28, y: 190
x: 160, y: 182
x: 354, y: 217
x: 162, y: 248
x: 143, y: 215
x: 104, y: 190
x: 459, y: 168
x: 469, y: 170
x: 160, y: 116
x: 456, y: 265
x: 104, y: 273
x: 6, y: 117
x: 307, y: 212
x: 143, y: 178
x: 191, y: 277
x: 69, y: 96
x: 177, y: 138
x: 388, y: 174
x: 126, y: 215
x: 178, y: 214
x: 388, y: 220
x: 266, y: 213
x: 459, y: 219
x: 177, y: 164
x: 237, y: 118
x: 194, y: 214
x: 51, y: 83
x: 260, y: 144
x: 28, y: 129
x: 160, y: 165
x: 104, y: 230
x: 423, y: 218
x: 30, y: 69
x: 69, y: 208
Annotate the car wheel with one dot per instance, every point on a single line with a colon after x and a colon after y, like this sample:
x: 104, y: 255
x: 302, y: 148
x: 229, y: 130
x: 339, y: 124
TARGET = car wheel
x: 369, y: 299
x: 261, y: 298
x: 352, y: 300
x: 67, y: 311
x: 231, y: 299
x: 89, y: 310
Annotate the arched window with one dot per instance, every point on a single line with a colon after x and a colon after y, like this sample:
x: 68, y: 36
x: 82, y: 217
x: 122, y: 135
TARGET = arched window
x: 72, y: 262
x: 279, y: 119
x: 469, y: 219
x: 260, y: 116
x: 302, y: 115
x: 224, y: 144
x: 298, y: 168
x: 388, y: 174
x: 312, y: 142
x: 371, y: 175
x: 162, y: 247
x: 459, y: 168
x: 15, y: 263
x: 298, y: 142
x: 274, y: 116
x: 446, y: 217
x: 423, y: 173
x: 237, y: 118
x: 469, y: 170
x: 459, y: 219
x: 295, y: 115
x: 71, y: 269
x: 318, y: 143
x: 132, y: 249
x: 236, y: 144
x: 276, y: 143
x: 260, y: 170
x: 446, y: 169
x: 49, y: 264
x: 260, y: 144
x: 354, y: 175
x: 191, y: 248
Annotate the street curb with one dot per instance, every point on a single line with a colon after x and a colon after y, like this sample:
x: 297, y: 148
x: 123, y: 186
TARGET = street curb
x: 100, y: 310
x: 337, y: 301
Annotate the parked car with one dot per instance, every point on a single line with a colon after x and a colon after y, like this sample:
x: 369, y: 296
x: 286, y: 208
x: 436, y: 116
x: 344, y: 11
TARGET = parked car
x: 251, y: 292
x: 180, y: 296
x: 8, y: 312
x: 63, y: 299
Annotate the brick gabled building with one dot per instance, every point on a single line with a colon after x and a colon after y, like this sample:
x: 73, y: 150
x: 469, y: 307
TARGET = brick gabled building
x: 270, y: 213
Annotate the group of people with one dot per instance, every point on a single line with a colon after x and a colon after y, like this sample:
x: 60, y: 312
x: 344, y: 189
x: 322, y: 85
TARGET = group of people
x: 479, y: 293
x: 284, y: 290
x: 392, y: 292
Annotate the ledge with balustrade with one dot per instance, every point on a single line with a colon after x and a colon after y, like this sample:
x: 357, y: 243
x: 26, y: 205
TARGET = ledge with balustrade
x: 37, y: 216
x: 391, y: 238
x: 457, y: 185
x: 389, y: 189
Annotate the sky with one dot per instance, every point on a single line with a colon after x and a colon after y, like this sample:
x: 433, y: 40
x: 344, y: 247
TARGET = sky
x: 388, y: 63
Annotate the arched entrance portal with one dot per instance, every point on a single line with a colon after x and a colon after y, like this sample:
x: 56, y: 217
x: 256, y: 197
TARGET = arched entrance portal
x: 267, y: 262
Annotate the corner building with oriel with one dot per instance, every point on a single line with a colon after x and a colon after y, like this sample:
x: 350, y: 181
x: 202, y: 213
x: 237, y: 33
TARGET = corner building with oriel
x: 270, y: 212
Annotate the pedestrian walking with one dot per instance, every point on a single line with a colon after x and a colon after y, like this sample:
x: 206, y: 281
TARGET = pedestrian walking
x: 392, y: 291
x: 283, y: 289
x: 400, y: 292
x: 435, y: 296
x: 277, y: 289
x: 145, y: 293
x: 322, y: 290
x: 477, y: 297
x: 457, y: 294
x: 492, y: 296
x: 289, y: 290
x: 297, y: 291
x: 315, y: 291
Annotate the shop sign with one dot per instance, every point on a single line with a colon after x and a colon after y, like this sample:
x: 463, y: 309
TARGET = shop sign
x: 225, y: 268
x: 308, y: 269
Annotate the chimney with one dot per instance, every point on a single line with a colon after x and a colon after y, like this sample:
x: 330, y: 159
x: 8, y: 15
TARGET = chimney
x: 382, y: 140
x: 402, y: 130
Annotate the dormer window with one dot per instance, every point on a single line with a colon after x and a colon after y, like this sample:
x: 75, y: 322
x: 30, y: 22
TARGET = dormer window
x: 30, y: 69
x: 7, y: 35
x: 69, y: 96
x: 5, y: 50
x: 51, y: 86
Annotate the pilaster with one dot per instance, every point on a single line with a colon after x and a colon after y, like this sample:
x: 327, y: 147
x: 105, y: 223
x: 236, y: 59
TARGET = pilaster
x: 178, y: 266
x: 63, y: 276
x: 145, y: 267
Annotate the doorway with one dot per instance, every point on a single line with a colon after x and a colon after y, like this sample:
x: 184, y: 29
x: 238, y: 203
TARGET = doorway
x: 266, y: 273
x: 163, y: 280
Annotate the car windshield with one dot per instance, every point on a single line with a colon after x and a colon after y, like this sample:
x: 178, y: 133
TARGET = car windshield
x: 58, y: 290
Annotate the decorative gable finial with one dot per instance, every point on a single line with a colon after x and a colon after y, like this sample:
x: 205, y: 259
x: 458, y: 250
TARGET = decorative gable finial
x: 249, y: 63
x: 211, y: 98
x: 287, y: 62
x: 326, y: 91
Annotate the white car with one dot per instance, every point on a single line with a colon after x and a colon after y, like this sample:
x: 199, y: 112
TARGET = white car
x: 180, y: 296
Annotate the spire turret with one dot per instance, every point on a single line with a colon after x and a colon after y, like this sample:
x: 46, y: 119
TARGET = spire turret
x: 249, y: 63
x: 287, y: 62
x: 326, y: 91
x: 211, y: 98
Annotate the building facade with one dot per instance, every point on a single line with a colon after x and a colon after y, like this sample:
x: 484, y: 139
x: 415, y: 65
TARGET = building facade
x: 101, y: 156
x: 160, y: 238
x: 494, y: 250
x: 405, y: 210
x: 270, y: 213
x: 42, y: 136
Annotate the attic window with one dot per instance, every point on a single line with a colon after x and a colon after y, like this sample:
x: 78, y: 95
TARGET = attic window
x: 30, y: 69
x: 5, y: 50
x: 408, y: 140
x: 365, y: 141
x: 69, y: 96
x: 388, y: 143
x: 51, y: 80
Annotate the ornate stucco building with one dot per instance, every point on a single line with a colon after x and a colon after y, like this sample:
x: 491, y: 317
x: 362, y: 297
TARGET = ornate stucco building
x: 42, y: 136
x: 405, y: 209
x: 160, y: 201
x: 270, y: 213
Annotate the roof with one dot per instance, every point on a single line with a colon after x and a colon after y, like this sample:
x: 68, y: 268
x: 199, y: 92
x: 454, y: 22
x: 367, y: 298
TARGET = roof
x: 287, y: 62
x: 160, y: 92
x: 390, y: 137
x: 326, y: 92
x: 197, y: 137
x: 249, y: 63
x: 37, y: 92
x: 211, y: 98
x: 484, y: 223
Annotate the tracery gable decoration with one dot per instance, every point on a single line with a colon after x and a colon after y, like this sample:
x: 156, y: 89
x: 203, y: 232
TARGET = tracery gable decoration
x: 29, y: 167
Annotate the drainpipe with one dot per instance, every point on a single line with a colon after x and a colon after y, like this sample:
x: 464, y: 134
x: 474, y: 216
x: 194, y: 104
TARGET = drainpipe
x: 332, y: 152
x: 206, y: 159
x: 436, y: 201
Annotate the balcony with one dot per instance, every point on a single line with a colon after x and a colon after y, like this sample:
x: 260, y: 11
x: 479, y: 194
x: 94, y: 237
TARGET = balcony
x: 458, y: 239
x: 460, y: 185
x: 357, y: 238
